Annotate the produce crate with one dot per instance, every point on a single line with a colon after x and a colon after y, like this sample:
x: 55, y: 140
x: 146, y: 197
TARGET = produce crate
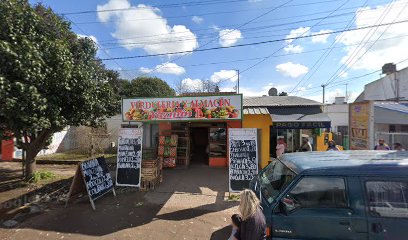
x: 149, y: 173
x: 150, y: 163
x: 149, y: 184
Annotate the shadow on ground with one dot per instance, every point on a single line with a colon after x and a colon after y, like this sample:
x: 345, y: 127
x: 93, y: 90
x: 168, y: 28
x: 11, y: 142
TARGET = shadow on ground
x: 131, y: 208
x: 221, y: 234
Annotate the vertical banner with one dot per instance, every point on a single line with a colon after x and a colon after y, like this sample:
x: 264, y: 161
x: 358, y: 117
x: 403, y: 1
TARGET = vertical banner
x: 129, y: 162
x: 243, y: 157
x: 359, y: 126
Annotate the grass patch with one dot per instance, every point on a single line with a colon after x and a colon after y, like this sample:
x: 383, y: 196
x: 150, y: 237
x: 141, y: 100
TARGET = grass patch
x: 233, y: 197
x: 42, y: 176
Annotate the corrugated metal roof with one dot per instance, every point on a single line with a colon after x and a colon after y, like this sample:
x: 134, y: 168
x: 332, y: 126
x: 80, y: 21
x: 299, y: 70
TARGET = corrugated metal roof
x: 274, y: 101
x: 394, y: 106
x: 253, y: 111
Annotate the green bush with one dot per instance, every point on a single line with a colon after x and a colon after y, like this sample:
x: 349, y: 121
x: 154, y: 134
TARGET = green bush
x: 42, y: 175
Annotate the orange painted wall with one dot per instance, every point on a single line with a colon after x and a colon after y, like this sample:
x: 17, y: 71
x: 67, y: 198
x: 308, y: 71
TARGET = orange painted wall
x: 263, y: 123
x: 7, y: 150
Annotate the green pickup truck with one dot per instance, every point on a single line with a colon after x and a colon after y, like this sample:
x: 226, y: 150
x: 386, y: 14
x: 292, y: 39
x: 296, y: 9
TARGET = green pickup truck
x: 335, y: 195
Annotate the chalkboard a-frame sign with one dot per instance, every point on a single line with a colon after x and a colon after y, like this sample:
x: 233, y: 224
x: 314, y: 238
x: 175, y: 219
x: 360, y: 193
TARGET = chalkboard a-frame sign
x: 129, y: 160
x: 243, y: 157
x: 92, y: 176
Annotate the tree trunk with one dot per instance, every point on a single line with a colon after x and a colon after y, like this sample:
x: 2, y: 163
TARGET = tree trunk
x: 30, y: 166
x: 33, y: 147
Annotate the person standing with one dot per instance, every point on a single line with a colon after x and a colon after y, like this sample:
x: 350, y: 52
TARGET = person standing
x: 382, y: 145
x: 398, y: 147
x: 280, y: 147
x: 306, y: 146
x: 253, y: 225
x: 332, y: 146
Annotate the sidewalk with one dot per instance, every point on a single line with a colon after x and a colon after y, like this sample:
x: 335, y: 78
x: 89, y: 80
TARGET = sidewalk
x: 190, y: 204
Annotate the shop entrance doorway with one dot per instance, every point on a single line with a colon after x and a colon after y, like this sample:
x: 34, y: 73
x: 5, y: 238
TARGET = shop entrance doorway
x: 199, y: 145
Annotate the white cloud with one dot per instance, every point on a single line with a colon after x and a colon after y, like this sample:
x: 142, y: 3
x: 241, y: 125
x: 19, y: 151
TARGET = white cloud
x: 390, y: 50
x: 293, y: 48
x: 343, y: 74
x: 321, y: 38
x: 229, y: 37
x: 170, y: 68
x: 165, y: 68
x: 154, y: 35
x: 191, y: 85
x: 292, y: 70
x: 92, y: 37
x: 229, y: 75
x: 197, y: 19
x: 145, y: 70
x: 302, y: 31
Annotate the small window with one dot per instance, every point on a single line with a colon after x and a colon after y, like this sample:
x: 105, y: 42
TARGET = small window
x: 318, y: 192
x: 388, y: 198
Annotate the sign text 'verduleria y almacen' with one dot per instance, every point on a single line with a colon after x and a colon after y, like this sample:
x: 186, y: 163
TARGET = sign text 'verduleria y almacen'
x: 225, y: 107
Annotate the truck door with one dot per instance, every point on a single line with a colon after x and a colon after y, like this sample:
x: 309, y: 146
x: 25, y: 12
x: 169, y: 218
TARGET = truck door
x: 387, y: 208
x: 317, y: 207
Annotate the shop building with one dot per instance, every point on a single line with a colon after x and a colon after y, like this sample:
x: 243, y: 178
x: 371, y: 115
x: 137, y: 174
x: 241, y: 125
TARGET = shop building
x: 338, y: 113
x: 374, y: 120
x: 381, y: 111
x: 201, y: 123
x: 288, y: 117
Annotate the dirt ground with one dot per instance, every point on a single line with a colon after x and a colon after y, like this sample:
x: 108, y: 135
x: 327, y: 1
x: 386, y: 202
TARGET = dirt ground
x: 189, y: 204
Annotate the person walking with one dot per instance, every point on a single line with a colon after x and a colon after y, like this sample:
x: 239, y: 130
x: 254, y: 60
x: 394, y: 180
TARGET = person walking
x: 332, y: 146
x: 280, y: 147
x: 382, y: 145
x: 253, y: 225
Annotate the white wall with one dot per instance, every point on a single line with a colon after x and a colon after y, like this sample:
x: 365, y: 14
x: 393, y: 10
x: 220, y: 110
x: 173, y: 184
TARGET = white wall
x: 338, y: 113
x: 384, y: 88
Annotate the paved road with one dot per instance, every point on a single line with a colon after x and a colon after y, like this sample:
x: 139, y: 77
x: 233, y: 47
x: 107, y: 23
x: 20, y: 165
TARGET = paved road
x: 190, y: 204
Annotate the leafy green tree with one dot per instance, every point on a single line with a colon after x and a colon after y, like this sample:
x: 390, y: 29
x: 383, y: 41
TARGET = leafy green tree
x: 49, y: 78
x: 148, y: 87
x: 283, y: 94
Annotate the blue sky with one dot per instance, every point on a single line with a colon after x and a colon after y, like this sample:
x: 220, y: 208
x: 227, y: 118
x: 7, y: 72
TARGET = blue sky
x: 128, y: 28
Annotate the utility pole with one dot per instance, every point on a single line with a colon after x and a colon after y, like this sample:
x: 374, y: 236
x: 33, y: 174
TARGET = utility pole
x: 397, y: 86
x: 323, y: 86
x: 237, y: 80
x: 346, y: 93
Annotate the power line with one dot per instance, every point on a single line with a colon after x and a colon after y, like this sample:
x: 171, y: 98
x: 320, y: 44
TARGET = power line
x: 254, y: 43
x: 348, y: 79
x: 226, y: 33
x: 255, y: 28
x: 211, y: 36
x: 302, y: 35
x: 258, y: 58
x: 218, y: 13
x: 361, y: 56
x: 228, y: 26
x: 187, y: 4
x: 106, y: 52
x: 324, y: 56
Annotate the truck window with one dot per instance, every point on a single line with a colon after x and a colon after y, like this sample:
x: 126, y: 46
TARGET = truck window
x: 388, y: 198
x: 317, y: 192
x: 274, y: 179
